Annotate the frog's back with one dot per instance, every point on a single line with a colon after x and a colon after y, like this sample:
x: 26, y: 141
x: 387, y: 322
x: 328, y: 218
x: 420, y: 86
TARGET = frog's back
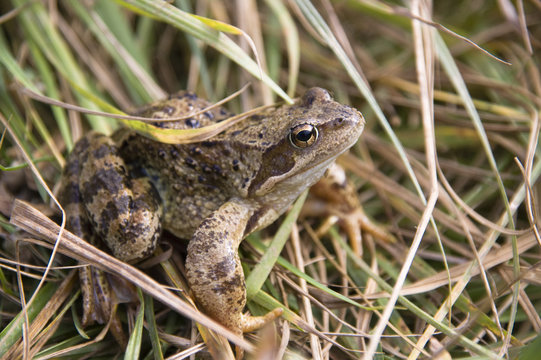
x: 266, y: 159
x: 179, y: 105
x: 191, y: 179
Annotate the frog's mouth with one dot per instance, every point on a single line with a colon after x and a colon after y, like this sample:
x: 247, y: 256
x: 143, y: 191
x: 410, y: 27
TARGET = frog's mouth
x: 317, y: 169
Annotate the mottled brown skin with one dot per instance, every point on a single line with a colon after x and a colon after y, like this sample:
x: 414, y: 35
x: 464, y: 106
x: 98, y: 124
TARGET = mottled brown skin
x: 125, y: 189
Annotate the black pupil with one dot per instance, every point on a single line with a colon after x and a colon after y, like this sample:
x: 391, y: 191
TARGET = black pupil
x: 304, y: 135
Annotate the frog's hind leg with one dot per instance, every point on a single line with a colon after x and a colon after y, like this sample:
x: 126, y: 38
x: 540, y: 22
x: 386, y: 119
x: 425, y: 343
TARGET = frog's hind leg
x: 125, y: 212
x: 77, y: 222
x: 214, y: 271
x: 104, y: 204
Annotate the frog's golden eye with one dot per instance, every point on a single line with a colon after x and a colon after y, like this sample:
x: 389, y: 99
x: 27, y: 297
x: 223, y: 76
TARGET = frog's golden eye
x: 304, y: 135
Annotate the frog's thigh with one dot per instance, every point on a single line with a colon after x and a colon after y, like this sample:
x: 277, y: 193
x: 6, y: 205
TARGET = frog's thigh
x: 125, y: 212
x: 214, y: 271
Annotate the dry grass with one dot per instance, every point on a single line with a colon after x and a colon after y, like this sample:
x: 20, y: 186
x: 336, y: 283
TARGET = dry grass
x: 447, y: 167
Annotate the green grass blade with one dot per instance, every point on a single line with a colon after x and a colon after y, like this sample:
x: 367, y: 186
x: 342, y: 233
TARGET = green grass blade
x: 119, y: 25
x: 13, y: 332
x: 152, y: 328
x: 51, y: 90
x: 186, y: 22
x: 134, y: 344
x: 291, y: 37
x: 129, y: 60
x: 261, y: 271
x: 295, y: 271
x: 315, y: 19
x: 39, y: 26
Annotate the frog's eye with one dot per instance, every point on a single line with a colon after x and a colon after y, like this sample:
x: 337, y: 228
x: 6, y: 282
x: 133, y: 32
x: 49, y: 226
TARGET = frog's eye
x: 304, y: 135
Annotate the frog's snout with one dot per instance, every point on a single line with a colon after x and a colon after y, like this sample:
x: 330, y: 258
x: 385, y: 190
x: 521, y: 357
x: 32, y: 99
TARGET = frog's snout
x: 349, y: 120
x: 348, y: 126
x: 358, y: 124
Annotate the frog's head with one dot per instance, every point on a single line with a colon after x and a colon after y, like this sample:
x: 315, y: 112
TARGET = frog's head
x: 305, y: 138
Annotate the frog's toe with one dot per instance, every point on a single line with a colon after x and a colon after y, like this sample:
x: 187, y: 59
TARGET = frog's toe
x: 100, y: 302
x: 92, y: 311
x: 251, y: 323
x: 97, y: 296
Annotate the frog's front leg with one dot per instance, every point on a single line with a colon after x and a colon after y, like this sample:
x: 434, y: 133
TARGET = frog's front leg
x: 214, y: 271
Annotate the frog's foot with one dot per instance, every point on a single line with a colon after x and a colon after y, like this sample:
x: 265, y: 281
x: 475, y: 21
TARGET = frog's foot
x: 335, y: 197
x: 100, y: 302
x: 92, y: 312
x: 250, y: 323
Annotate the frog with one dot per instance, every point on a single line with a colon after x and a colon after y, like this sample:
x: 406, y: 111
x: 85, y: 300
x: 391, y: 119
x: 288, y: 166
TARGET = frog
x: 122, y: 191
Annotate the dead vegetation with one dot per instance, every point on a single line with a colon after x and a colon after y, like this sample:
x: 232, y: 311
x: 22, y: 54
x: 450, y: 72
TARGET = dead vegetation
x: 447, y: 170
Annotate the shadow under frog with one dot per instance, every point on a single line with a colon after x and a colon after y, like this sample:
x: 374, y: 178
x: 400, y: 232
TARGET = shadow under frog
x: 126, y: 188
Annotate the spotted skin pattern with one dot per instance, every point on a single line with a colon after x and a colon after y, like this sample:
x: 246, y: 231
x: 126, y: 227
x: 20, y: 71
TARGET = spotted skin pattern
x: 121, y: 191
